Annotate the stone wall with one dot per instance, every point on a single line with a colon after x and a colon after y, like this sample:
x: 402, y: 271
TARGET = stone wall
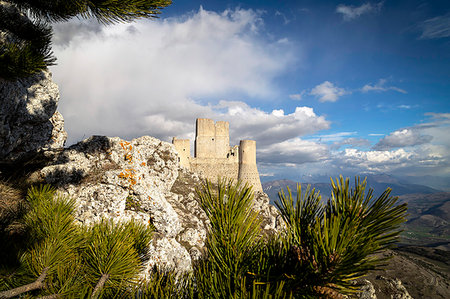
x: 214, y: 158
x: 214, y: 168
x: 183, y: 148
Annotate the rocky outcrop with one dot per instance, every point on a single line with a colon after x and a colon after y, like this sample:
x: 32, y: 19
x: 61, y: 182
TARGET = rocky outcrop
x: 141, y: 180
x: 29, y: 122
x: 408, y: 275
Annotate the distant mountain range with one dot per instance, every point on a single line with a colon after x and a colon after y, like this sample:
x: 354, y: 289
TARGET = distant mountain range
x: 428, y: 209
x: 377, y: 182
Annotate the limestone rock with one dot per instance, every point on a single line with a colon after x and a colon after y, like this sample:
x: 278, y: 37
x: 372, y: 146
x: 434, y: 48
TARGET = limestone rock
x: 367, y: 290
x: 168, y: 253
x: 113, y: 178
x: 397, y: 289
x: 272, y: 221
x: 29, y: 121
x: 141, y: 180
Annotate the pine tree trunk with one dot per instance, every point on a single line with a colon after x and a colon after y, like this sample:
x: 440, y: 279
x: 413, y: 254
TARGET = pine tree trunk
x: 38, y: 284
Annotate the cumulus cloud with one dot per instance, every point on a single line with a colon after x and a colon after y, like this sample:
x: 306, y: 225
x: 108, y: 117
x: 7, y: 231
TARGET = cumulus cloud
x: 381, y: 86
x: 375, y: 161
x: 328, y: 92
x: 350, y: 12
x: 268, y: 128
x: 294, y: 151
x: 418, y: 150
x: 437, y: 27
x: 156, y: 77
x: 402, y: 138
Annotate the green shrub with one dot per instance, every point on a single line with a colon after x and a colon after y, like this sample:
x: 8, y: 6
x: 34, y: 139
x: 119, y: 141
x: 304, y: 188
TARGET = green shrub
x: 70, y: 260
x: 322, y: 249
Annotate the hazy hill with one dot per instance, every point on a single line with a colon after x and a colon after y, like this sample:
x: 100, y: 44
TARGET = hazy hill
x: 428, y: 209
x: 428, y: 219
x: 378, y: 182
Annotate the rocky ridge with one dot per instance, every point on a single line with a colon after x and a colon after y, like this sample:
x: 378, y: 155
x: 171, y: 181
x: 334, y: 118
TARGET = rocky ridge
x: 140, y: 180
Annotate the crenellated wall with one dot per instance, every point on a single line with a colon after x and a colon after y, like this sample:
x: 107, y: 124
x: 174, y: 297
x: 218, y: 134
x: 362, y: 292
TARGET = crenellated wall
x: 213, y: 156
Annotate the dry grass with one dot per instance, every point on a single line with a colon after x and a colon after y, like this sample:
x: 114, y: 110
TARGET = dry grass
x: 11, y: 203
x: 12, y: 230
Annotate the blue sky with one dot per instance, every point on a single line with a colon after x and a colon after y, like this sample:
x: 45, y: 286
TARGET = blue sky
x: 324, y: 87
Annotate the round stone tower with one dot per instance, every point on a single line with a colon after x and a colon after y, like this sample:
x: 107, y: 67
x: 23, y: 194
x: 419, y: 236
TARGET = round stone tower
x: 248, y: 173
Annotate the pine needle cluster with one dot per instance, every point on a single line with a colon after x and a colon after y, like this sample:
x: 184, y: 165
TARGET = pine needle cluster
x: 323, y: 249
x: 65, y: 260
x: 25, y: 27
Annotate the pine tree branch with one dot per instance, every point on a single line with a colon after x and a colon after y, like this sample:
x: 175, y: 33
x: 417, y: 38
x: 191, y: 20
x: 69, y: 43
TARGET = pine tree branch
x: 36, y: 285
x: 25, y: 46
x: 100, y: 285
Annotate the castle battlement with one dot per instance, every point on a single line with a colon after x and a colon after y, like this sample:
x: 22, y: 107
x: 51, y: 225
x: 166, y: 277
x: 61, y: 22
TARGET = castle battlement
x: 214, y: 157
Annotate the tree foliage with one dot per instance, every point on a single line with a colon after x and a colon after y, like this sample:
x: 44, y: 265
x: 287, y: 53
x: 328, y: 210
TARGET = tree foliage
x: 324, y: 247
x: 25, y: 27
x: 69, y: 260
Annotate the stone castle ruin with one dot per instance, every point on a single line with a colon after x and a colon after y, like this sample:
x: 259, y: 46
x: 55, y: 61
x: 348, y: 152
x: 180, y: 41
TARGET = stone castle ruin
x: 214, y: 157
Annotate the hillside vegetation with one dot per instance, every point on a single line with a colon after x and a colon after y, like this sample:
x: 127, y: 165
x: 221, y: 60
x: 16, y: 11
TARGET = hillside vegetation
x: 323, y: 249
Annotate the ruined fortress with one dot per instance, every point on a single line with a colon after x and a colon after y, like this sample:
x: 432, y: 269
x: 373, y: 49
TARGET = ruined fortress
x: 214, y: 157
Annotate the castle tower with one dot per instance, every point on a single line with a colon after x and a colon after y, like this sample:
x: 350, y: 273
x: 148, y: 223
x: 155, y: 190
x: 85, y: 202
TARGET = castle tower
x: 183, y: 147
x: 212, y: 140
x: 248, y: 172
x: 205, y: 146
x: 222, y: 139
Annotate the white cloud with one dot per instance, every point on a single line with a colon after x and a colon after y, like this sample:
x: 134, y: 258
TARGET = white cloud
x: 381, y: 86
x: 350, y: 12
x: 65, y: 32
x: 297, y: 96
x: 151, y: 77
x: 378, y: 161
x: 283, y: 16
x: 402, y: 138
x: 438, y: 27
x: 268, y: 128
x: 358, y: 142
x: 328, y: 92
x: 419, y: 150
x: 294, y: 151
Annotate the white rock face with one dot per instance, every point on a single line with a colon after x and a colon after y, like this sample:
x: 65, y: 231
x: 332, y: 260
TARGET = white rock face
x: 29, y: 121
x: 141, y: 180
x: 169, y: 253
x: 106, y: 174
x: 120, y: 180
